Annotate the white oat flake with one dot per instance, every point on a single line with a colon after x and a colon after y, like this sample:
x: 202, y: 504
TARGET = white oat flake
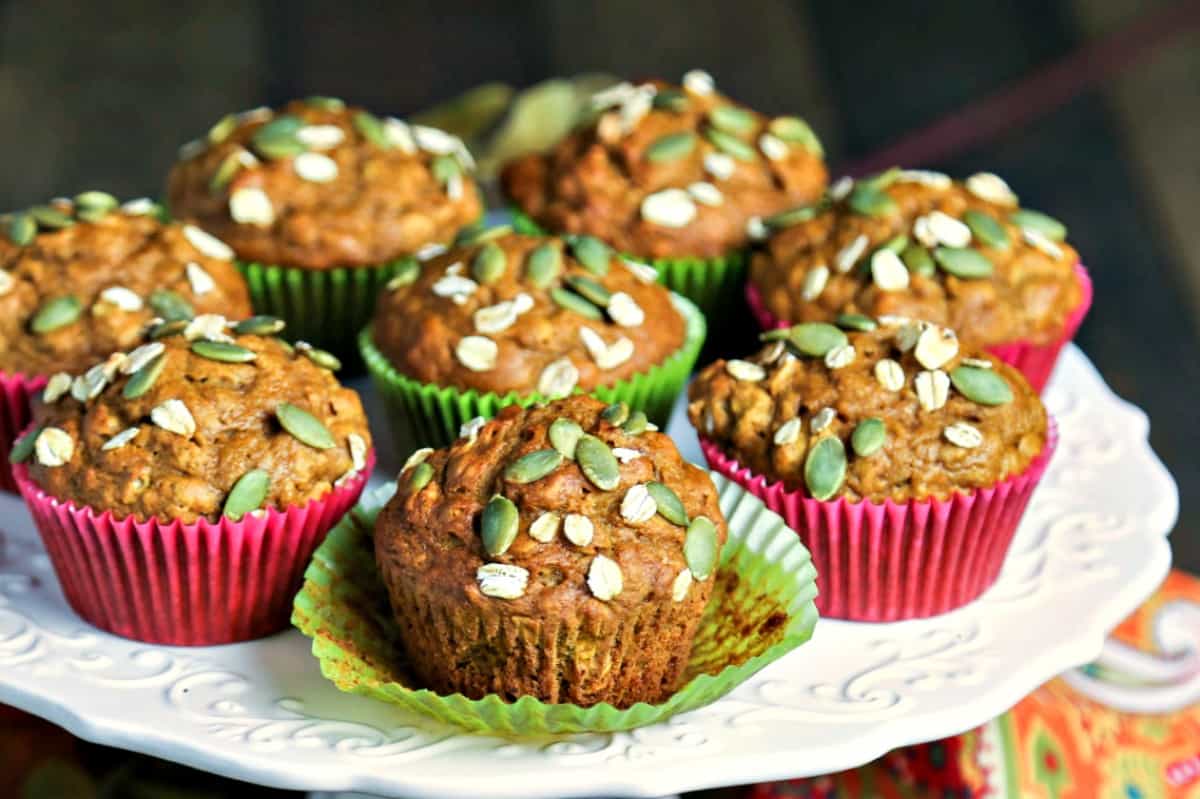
x: 637, y: 506
x: 174, y: 417
x: 933, y: 389
x: 142, y: 356
x: 719, y: 165
x: 669, y: 208
x: 681, y: 585
x: 200, y: 280
x: 477, y: 353
x: 545, y: 527
x: 58, y: 385
x: 625, y: 311
x: 745, y: 370
x: 578, y: 529
x: 558, y: 378
x: 120, y: 439
x: 848, y: 256
x: 502, y: 580
x: 625, y: 454
x: 604, y: 578
x: 416, y: 459
x: 963, y: 435
x: 53, y: 447
x: 250, y: 205
x: 788, y: 433
x: 122, y: 298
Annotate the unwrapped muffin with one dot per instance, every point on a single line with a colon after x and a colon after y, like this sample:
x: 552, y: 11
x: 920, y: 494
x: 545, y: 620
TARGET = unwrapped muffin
x: 558, y: 552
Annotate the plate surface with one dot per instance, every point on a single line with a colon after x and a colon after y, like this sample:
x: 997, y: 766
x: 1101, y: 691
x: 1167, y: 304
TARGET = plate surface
x: 1090, y: 549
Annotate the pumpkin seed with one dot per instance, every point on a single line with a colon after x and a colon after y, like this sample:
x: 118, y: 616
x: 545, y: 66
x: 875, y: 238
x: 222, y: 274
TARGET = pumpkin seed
x: 870, y: 200
x: 564, y: 435
x: 96, y: 200
x: 636, y: 424
x: 22, y: 229
x: 372, y: 130
x: 896, y: 244
x: 247, y: 494
x: 670, y: 507
x: 143, y: 379
x: 222, y: 351
x: 815, y: 339
x: 671, y: 147
x: 1028, y: 219
x: 573, y: 302
x: 277, y: 138
x: 259, y: 326
x: 730, y: 145
x: 228, y: 167
x: 825, y: 468
x: 90, y: 214
x: 590, y: 290
x: 533, y: 466
x: 985, y: 228
x: 732, y: 119
x: 498, y: 525
x: 422, y: 473
x: 963, y: 262
x: 325, y: 103
x: 868, y: 437
x: 855, y: 321
x: 981, y: 385
x: 50, y: 217
x: 797, y: 131
x: 918, y: 260
x: 165, y: 329
x: 592, y: 253
x: 489, y: 263
x: 408, y: 269
x: 304, y: 427
x: 670, y: 99
x: 700, y: 547
x: 543, y: 265
x: 58, y: 312
x: 23, y: 446
x: 171, y: 306
x: 220, y: 131
x: 479, y: 235
x: 445, y: 168
x: 795, y: 216
x: 323, y: 359
x: 598, y: 463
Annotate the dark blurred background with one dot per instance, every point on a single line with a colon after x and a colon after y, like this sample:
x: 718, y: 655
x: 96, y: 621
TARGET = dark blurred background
x: 1090, y: 108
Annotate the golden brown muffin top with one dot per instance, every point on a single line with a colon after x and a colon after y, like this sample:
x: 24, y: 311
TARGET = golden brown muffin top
x: 667, y: 171
x: 915, y: 243
x: 173, y: 428
x: 80, y: 280
x: 569, y: 508
x: 894, y: 412
x: 507, y: 312
x: 319, y: 184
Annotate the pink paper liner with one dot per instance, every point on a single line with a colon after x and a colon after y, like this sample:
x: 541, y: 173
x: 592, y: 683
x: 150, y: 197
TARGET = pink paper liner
x: 1035, y: 361
x: 890, y: 561
x: 16, y: 396
x: 178, y: 584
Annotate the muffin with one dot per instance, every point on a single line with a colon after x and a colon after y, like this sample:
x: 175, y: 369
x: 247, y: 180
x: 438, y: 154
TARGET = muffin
x: 902, y: 460
x: 323, y: 203
x: 678, y: 175
x: 559, y: 552
x: 81, y: 279
x: 508, y: 318
x: 181, y: 487
x: 917, y: 244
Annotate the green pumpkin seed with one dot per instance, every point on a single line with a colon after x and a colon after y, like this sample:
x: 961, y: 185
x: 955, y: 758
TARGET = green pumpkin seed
x: 372, y: 130
x: 981, y: 385
x: 825, y: 468
x: 304, y: 427
x: 896, y: 244
x: 1045, y: 224
x: 220, y: 131
x: 700, y: 547
x: 985, y: 228
x: 795, y: 130
x: 730, y: 145
x: 143, y: 379
x: 468, y: 238
x: 593, y: 254
x: 732, y: 119
x: 171, y: 306
x: 795, y: 216
x: 868, y: 200
x: 918, y: 260
x: 286, y: 346
x: 259, y: 326
x: 573, y: 302
x: 91, y: 214
x: 883, y: 179
x: 498, y: 525
x: 855, y: 321
x: 22, y: 230
x: 489, y: 264
x: 229, y: 167
x: 963, y: 262
x: 323, y: 359
x: 422, y: 473
x: 23, y: 447
x: 58, y: 312
x: 165, y: 329
x: 671, y: 100
x: 670, y: 507
x: 671, y: 147
x: 325, y: 103
x: 615, y: 414
x: 247, y: 494
x: 636, y: 424
x: 543, y: 265
x: 96, y: 200
x: 598, y: 463
x: 277, y: 138
x: 48, y: 216
x: 589, y: 290
x: 564, y: 435
x: 222, y: 351
x: 533, y: 466
x: 407, y: 270
x: 445, y: 168
x: 868, y: 437
x: 810, y: 338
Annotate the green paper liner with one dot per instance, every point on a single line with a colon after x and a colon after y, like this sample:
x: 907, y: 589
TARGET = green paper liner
x: 761, y: 608
x: 714, y: 284
x: 428, y: 415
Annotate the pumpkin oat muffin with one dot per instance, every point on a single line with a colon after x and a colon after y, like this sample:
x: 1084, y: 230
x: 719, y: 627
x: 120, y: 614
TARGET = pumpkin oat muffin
x: 561, y: 552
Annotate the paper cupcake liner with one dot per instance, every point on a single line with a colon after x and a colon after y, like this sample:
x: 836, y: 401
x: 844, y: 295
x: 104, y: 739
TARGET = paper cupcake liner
x: 1035, y: 361
x: 889, y: 561
x: 428, y: 415
x: 761, y: 608
x: 16, y: 397
x: 195, y: 584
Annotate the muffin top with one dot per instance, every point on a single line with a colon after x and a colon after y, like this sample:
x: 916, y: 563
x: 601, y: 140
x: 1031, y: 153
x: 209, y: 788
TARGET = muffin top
x: 915, y: 243
x: 81, y: 279
x: 668, y: 172
x: 198, y: 421
x: 895, y: 411
x: 507, y: 312
x: 569, y: 508
x: 319, y: 184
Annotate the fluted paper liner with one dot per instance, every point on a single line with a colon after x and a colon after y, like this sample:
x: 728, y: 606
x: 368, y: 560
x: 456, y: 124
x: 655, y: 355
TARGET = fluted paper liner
x: 761, y: 608
x: 16, y: 396
x: 184, y: 584
x: 1035, y: 361
x: 890, y: 561
x: 425, y: 414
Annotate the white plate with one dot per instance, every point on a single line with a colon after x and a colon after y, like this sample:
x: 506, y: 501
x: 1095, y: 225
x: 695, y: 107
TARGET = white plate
x: 1091, y: 548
